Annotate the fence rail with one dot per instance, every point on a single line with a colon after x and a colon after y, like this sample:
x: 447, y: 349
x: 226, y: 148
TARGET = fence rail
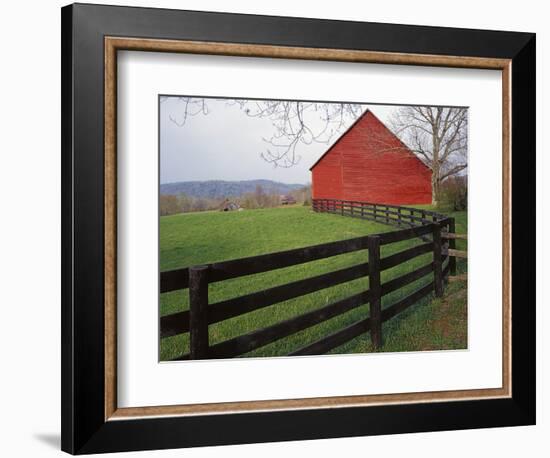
x: 433, y: 228
x: 383, y: 213
x: 396, y: 215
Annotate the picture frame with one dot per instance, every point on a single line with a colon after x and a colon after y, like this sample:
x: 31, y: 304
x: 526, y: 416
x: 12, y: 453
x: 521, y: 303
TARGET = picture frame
x: 92, y: 35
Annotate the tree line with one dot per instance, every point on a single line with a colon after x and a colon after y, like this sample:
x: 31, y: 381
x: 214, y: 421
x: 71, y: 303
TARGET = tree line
x: 171, y: 204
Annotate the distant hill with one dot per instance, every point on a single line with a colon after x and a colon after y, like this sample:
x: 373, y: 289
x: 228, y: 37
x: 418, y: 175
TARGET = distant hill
x: 219, y: 188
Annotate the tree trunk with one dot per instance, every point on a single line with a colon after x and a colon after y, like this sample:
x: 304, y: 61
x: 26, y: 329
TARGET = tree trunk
x: 435, y: 183
x: 435, y: 161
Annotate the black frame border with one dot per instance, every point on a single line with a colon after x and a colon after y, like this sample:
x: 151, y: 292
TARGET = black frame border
x: 84, y: 429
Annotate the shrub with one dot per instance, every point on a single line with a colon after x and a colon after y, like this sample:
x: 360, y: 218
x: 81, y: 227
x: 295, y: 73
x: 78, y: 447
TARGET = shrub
x: 454, y: 193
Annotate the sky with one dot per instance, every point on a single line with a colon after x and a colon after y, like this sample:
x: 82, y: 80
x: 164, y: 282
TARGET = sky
x: 226, y: 144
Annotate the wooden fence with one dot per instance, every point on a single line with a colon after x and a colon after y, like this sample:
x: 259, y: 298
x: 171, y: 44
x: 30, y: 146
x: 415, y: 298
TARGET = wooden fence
x: 451, y: 236
x: 202, y: 313
x: 382, y: 213
x: 394, y: 215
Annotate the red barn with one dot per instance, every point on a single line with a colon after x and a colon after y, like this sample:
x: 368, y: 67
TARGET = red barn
x: 369, y: 163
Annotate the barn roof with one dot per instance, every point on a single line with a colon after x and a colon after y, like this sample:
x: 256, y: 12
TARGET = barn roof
x: 352, y: 126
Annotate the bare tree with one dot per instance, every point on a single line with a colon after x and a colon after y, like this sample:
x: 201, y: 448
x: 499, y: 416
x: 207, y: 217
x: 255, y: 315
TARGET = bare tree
x: 438, y: 135
x: 294, y: 123
x: 190, y: 106
x: 261, y: 197
x: 168, y: 205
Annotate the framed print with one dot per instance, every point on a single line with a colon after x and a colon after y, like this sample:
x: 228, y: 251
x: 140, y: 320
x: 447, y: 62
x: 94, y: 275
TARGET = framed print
x: 292, y: 228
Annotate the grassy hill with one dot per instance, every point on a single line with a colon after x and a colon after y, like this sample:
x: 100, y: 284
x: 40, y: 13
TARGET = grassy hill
x: 197, y: 238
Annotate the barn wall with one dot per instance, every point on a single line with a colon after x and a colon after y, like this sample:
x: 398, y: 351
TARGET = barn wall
x: 369, y: 163
x: 327, y: 177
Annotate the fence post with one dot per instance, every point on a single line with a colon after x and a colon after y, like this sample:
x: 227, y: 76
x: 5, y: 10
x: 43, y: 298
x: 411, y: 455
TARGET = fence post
x: 198, y: 307
x: 373, y: 243
x: 452, y: 245
x: 399, y: 216
x: 438, y: 271
x: 374, y: 214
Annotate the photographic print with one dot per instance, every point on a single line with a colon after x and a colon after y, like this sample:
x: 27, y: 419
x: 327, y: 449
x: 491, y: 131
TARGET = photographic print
x: 294, y: 228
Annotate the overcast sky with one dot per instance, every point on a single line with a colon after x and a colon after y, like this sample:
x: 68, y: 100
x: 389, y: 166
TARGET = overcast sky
x: 226, y: 144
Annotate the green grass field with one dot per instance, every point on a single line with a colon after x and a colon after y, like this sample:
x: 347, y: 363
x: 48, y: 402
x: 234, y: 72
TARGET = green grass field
x: 198, y: 238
